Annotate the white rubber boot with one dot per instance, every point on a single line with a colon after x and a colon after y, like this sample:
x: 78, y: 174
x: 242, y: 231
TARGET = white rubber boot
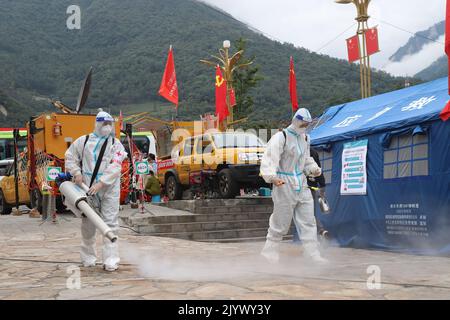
x: 270, y: 251
x: 312, y: 253
x: 110, y: 268
x: 88, y: 264
x: 318, y: 259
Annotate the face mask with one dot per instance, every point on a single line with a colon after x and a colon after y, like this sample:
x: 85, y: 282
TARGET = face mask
x: 301, y: 127
x: 106, y: 130
x: 301, y: 130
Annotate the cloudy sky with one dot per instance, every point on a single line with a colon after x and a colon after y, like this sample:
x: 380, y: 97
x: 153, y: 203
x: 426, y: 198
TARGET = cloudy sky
x: 314, y: 23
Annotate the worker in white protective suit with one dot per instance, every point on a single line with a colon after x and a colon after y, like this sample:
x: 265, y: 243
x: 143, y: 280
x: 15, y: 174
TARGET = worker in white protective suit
x: 80, y: 161
x: 286, y: 164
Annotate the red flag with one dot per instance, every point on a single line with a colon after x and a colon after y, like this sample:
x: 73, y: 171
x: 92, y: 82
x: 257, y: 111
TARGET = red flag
x: 293, y: 86
x: 169, y: 87
x: 353, y: 49
x: 447, y: 38
x: 232, y: 97
x: 221, y: 96
x: 372, y: 41
x: 445, y: 114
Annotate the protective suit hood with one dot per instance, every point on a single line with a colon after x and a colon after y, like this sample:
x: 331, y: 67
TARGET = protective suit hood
x: 101, y: 117
x: 301, y: 117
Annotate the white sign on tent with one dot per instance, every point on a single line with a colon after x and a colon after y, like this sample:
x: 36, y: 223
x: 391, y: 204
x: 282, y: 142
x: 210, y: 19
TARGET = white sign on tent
x: 354, y: 169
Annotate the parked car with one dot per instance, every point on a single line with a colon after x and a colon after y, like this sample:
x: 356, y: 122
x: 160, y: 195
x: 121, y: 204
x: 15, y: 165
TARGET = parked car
x: 232, y: 158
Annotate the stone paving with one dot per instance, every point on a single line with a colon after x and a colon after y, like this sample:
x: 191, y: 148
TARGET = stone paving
x: 41, y: 262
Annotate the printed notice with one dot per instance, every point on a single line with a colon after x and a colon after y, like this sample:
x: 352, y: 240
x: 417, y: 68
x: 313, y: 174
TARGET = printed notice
x: 354, y: 172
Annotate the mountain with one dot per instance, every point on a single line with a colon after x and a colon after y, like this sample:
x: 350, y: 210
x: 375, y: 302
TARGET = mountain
x: 438, y: 69
x: 9, y: 109
x: 126, y: 42
x: 416, y: 43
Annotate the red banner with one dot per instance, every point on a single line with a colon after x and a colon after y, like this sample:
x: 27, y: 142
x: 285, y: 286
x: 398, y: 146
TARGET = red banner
x: 232, y: 97
x: 353, y: 49
x: 221, y: 96
x: 445, y: 114
x: 165, y: 164
x: 372, y: 41
x: 169, y: 87
x: 293, y: 86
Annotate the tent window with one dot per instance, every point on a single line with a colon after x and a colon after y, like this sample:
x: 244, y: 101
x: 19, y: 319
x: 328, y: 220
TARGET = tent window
x: 390, y: 156
x: 326, y: 161
x: 420, y: 138
x: 404, y: 169
x: 390, y: 171
x: 420, y: 168
x: 404, y: 141
x: 421, y: 151
x: 406, y: 156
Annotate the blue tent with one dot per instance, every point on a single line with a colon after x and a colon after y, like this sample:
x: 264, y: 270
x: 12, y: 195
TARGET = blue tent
x: 406, y: 202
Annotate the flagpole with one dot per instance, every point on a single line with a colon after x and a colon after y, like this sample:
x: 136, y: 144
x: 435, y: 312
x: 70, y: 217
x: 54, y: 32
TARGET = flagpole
x: 176, y: 111
x: 176, y: 107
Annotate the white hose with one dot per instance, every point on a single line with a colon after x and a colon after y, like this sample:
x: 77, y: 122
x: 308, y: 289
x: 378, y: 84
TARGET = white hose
x: 75, y: 200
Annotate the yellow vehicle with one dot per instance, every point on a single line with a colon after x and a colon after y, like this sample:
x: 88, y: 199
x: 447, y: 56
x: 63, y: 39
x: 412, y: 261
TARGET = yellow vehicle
x: 8, y: 191
x: 230, y: 159
x: 50, y: 135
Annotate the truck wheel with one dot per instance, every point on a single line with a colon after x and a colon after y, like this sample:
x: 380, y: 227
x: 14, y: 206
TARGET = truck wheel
x: 4, y: 208
x: 228, y: 187
x: 173, y: 189
x: 36, y: 200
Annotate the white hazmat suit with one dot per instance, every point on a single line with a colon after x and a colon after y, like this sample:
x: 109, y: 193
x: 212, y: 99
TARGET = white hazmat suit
x: 288, y: 159
x: 80, y: 159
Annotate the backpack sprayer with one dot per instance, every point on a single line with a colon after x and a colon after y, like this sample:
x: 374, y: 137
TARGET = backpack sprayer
x: 81, y: 204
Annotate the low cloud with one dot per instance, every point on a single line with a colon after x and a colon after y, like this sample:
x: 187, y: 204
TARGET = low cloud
x: 412, y: 64
x: 313, y: 24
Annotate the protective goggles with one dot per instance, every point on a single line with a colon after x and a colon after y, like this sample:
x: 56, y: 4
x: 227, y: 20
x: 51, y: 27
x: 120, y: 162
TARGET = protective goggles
x: 103, y: 119
x: 299, y: 117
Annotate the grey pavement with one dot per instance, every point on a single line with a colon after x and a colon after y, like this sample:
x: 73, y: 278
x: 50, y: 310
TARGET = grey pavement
x: 41, y: 261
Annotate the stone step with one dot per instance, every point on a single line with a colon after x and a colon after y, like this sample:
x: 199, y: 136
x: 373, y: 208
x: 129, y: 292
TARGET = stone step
x: 146, y: 220
x: 232, y: 220
x: 231, y: 209
x: 237, y: 240
x: 201, y: 226
x: 217, y: 234
x: 222, y: 205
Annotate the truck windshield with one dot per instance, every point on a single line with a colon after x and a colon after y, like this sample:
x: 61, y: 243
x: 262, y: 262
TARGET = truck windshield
x: 233, y: 140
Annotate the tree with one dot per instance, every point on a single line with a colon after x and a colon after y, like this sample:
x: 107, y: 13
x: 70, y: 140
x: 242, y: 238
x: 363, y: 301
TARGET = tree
x: 244, y: 80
